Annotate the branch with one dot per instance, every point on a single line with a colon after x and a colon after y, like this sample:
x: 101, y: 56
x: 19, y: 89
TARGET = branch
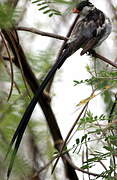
x: 35, y: 31
x: 68, y: 135
x: 81, y: 170
x: 2, y: 58
x: 96, y: 55
x: 11, y: 65
x: 71, y: 163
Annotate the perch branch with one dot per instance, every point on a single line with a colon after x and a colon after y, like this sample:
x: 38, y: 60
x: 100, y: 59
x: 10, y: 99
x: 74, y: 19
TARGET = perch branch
x: 96, y: 55
x: 35, y: 31
x: 71, y: 163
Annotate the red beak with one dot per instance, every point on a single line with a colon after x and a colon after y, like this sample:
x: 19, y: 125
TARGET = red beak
x: 74, y: 10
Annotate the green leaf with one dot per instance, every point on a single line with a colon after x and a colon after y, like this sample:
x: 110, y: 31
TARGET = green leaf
x: 36, y: 1
x: 50, y: 15
x: 87, y: 166
x: 44, y: 7
x: 108, y: 148
x: 51, y: 11
x: 77, y: 141
x: 45, y: 12
x: 6, y: 16
x: 84, y: 137
x: 42, y: 3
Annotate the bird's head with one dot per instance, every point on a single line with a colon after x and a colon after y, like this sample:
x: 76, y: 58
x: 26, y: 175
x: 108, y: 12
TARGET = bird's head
x: 83, y: 8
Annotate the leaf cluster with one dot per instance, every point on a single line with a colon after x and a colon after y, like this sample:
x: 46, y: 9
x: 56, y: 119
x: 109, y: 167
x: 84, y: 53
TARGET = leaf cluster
x: 100, y: 79
x: 47, y: 7
x: 6, y: 16
x: 97, y: 131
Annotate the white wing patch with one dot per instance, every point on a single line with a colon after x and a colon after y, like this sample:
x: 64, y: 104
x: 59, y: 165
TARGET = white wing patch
x: 108, y: 27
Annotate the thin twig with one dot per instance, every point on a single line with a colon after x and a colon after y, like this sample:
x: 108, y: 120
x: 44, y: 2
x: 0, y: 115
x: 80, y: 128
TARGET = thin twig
x: 99, y: 160
x: 68, y: 135
x: 13, y: 38
x: 96, y: 55
x: 70, y: 162
x: 79, y: 169
x: 7, y: 70
x: 11, y: 66
x: 35, y: 31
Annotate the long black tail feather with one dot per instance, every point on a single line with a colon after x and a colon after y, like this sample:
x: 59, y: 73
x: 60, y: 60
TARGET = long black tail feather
x: 17, y: 137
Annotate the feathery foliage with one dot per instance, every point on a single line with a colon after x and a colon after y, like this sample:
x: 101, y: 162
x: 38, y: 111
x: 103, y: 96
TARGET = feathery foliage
x: 7, y: 15
x: 50, y: 7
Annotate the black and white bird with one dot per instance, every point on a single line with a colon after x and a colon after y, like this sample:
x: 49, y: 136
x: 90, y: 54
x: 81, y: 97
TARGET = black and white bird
x: 91, y: 29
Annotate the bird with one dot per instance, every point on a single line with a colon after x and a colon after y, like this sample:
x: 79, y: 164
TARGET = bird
x: 90, y: 30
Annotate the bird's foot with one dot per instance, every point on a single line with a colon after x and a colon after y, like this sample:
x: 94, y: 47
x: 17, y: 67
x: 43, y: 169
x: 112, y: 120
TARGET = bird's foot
x: 91, y: 52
